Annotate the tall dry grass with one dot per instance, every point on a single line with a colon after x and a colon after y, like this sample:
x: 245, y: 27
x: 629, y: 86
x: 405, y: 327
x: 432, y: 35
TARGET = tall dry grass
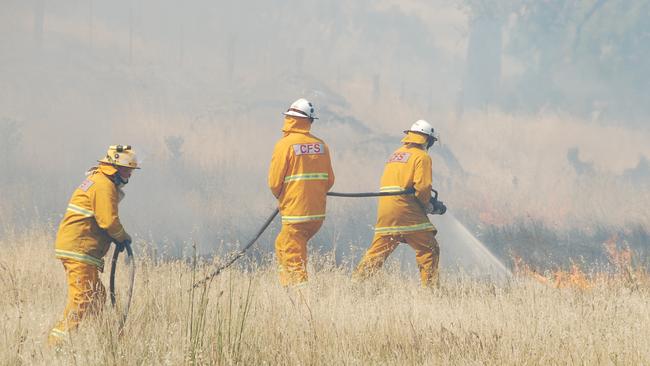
x: 245, y: 317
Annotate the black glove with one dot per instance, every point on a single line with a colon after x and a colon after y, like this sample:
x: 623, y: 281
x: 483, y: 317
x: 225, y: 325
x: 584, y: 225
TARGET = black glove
x: 120, y: 246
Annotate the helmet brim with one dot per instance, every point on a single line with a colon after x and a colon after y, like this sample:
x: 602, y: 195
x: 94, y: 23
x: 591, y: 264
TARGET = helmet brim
x: 296, y: 114
x: 114, y: 164
x: 418, y: 132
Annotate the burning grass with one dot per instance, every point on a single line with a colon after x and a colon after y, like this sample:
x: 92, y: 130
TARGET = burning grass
x: 623, y: 269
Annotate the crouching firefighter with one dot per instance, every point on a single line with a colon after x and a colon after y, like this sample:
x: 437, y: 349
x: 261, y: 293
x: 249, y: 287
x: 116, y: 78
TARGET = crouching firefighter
x: 403, y: 218
x: 90, y: 224
x: 299, y: 177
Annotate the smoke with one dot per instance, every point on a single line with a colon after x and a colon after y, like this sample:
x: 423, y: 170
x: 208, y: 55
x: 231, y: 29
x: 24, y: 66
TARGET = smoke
x: 532, y: 125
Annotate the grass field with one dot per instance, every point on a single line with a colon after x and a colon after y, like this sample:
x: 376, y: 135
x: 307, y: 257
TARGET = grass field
x: 245, y: 317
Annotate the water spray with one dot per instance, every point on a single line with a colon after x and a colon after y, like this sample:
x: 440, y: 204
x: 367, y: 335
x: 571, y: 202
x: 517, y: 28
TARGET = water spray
x: 466, y: 251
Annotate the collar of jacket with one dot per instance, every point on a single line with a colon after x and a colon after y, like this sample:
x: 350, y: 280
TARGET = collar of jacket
x: 107, y: 170
x: 296, y: 125
x: 414, y: 138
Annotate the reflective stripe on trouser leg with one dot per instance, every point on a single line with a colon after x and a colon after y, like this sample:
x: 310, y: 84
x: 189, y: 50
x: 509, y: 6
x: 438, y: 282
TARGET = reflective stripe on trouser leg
x: 427, y: 255
x: 56, y: 336
x: 86, y: 295
x: 382, y: 246
x: 291, y: 251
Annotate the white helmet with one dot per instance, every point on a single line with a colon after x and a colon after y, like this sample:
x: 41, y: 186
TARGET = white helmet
x: 423, y: 127
x: 301, y: 108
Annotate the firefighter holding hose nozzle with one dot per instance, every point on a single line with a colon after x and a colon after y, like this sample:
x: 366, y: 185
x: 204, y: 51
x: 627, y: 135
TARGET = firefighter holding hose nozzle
x: 403, y: 218
x: 90, y: 224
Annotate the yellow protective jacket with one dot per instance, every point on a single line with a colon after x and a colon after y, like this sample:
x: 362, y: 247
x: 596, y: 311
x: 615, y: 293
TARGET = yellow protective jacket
x: 408, y: 167
x: 300, y: 173
x: 91, y: 220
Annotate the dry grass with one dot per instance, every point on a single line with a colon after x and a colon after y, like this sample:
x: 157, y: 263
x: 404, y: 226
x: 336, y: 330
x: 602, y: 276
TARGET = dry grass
x: 244, y: 317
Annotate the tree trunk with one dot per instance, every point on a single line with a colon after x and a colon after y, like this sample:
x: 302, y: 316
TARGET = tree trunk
x: 483, y: 72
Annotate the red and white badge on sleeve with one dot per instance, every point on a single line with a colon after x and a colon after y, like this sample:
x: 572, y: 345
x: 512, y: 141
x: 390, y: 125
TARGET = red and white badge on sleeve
x: 86, y: 184
x: 309, y: 149
x: 399, y: 157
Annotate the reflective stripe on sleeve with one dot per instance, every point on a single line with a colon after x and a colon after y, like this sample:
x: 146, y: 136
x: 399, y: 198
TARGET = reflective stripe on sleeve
x: 390, y: 189
x: 83, y: 258
x: 306, y: 176
x: 80, y: 210
x: 426, y: 226
x: 292, y: 219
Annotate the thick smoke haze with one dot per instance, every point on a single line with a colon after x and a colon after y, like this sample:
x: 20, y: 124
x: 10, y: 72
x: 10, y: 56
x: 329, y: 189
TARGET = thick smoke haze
x: 542, y: 108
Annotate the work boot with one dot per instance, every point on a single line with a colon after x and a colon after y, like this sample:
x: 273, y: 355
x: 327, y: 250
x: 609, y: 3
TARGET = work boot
x: 56, y: 339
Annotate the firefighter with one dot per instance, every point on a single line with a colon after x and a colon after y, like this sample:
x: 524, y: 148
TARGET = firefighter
x: 90, y: 224
x: 300, y: 175
x: 403, y: 219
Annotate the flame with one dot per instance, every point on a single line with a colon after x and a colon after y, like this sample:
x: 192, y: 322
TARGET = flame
x: 619, y: 256
x: 575, y: 278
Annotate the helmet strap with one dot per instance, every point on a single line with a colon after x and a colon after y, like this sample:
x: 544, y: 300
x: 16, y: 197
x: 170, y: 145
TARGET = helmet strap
x: 430, y: 141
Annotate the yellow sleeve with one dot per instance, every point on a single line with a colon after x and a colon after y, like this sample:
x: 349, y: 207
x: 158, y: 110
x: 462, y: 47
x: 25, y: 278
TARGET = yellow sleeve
x: 278, y: 169
x: 330, y: 171
x: 422, y: 179
x: 106, y: 213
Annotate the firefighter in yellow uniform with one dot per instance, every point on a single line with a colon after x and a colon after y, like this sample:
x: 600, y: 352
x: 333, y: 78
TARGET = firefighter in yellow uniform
x: 299, y: 177
x: 90, y: 224
x: 403, y: 219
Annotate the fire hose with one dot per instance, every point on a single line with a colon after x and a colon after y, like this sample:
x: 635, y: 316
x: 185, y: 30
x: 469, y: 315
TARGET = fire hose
x: 268, y: 221
x: 130, y: 262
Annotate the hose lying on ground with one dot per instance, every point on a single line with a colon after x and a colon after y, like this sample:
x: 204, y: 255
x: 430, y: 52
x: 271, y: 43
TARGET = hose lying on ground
x: 241, y: 252
x: 268, y: 221
x: 129, y: 294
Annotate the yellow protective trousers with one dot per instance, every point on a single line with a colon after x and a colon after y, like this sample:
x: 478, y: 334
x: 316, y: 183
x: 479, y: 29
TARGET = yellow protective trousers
x: 427, y: 255
x: 291, y: 251
x: 86, y: 296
